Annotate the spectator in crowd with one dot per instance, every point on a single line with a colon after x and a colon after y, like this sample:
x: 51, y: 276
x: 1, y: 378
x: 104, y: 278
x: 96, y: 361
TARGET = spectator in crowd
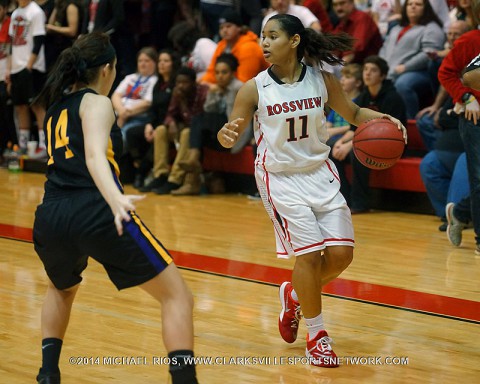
x: 427, y: 120
x: 63, y: 27
x: 308, y: 19
x: 212, y: 10
x: 104, y: 15
x: 185, y: 110
x: 217, y: 107
x: 455, y: 30
x: 463, y: 11
x: 26, y: 69
x: 383, y: 12
x: 251, y: 12
x: 11, y: 6
x: 425, y: 117
x: 455, y: 195
x: 467, y: 106
x: 151, y: 20
x: 195, y: 51
x: 7, y: 129
x: 159, y: 18
x: 440, y: 9
x: 352, y: 83
x: 47, y: 7
x: 363, y: 5
x: 380, y: 95
x: 351, y: 80
x: 241, y: 43
x: 361, y: 27
x: 443, y: 172
x: 317, y: 8
x: 133, y: 97
x: 405, y: 49
x: 459, y: 217
x: 109, y: 16
x: 140, y: 138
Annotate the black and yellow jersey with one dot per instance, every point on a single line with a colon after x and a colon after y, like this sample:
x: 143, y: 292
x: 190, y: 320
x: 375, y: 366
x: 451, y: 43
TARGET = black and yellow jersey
x: 66, y: 168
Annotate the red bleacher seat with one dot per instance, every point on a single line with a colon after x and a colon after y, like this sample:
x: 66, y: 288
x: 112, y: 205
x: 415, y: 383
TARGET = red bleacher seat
x: 415, y: 141
x: 403, y: 176
x: 241, y: 162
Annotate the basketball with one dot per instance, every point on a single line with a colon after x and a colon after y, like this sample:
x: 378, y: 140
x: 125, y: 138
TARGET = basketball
x: 378, y: 143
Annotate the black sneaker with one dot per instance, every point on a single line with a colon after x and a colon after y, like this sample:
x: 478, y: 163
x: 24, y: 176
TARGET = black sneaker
x: 154, y: 183
x: 48, y: 378
x: 166, y: 188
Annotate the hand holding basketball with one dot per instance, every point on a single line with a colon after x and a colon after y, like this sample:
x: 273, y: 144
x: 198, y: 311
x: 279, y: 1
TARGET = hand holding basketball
x: 379, y: 143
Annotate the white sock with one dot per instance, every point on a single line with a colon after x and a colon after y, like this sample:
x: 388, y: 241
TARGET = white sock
x: 314, y: 325
x: 23, y: 137
x: 41, y: 139
x: 294, y: 295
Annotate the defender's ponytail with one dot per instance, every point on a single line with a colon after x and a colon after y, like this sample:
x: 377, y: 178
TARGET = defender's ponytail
x: 79, y: 64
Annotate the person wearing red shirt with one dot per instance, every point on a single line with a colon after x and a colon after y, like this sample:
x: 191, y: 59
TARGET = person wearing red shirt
x: 467, y: 106
x: 360, y: 26
x: 316, y: 7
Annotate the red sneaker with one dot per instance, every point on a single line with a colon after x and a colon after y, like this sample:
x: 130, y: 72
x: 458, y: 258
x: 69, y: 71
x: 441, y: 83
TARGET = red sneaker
x: 319, y: 351
x: 290, y: 314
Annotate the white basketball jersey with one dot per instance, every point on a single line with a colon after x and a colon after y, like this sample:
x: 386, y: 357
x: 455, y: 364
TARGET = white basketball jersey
x: 290, y: 128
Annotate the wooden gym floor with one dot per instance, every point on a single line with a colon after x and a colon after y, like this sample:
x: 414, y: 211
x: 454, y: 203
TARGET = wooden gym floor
x: 406, y: 310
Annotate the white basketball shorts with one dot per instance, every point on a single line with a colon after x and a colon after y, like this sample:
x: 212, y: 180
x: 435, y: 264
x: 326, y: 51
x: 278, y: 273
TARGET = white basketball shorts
x: 307, y: 209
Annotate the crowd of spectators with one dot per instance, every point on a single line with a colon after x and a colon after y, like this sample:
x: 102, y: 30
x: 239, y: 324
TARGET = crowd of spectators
x: 180, y: 63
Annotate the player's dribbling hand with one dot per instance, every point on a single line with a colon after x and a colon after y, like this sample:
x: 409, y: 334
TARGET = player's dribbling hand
x: 399, y: 125
x: 228, y: 135
x: 121, y: 210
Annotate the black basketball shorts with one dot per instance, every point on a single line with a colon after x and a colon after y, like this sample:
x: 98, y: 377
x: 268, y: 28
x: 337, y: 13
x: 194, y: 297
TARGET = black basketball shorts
x: 68, y: 230
x: 26, y: 85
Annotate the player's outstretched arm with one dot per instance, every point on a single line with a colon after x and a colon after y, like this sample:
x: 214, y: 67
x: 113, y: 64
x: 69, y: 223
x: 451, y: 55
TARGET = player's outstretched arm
x: 242, y: 113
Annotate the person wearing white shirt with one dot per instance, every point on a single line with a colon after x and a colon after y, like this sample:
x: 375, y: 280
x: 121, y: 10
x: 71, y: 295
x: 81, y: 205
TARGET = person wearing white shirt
x: 308, y: 19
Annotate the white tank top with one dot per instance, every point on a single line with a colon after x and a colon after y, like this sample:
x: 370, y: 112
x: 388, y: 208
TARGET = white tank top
x: 289, y: 123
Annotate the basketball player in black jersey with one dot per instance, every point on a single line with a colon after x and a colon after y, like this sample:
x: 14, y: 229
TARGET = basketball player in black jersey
x: 85, y: 213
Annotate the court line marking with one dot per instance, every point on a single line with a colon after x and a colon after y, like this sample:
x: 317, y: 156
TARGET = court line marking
x: 382, y: 295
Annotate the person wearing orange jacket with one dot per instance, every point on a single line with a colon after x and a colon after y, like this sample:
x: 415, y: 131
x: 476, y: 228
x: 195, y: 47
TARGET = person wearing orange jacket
x: 241, y: 43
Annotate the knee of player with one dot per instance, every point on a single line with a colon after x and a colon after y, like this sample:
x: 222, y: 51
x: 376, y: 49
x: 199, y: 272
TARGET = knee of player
x: 184, y: 297
x: 189, y: 298
x: 309, y: 260
x: 345, y: 258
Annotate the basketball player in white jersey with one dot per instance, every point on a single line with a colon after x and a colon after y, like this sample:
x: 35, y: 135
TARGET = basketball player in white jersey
x: 298, y: 184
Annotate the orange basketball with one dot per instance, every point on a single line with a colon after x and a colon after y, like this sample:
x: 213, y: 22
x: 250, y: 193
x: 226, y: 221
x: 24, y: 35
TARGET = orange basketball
x: 378, y: 143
